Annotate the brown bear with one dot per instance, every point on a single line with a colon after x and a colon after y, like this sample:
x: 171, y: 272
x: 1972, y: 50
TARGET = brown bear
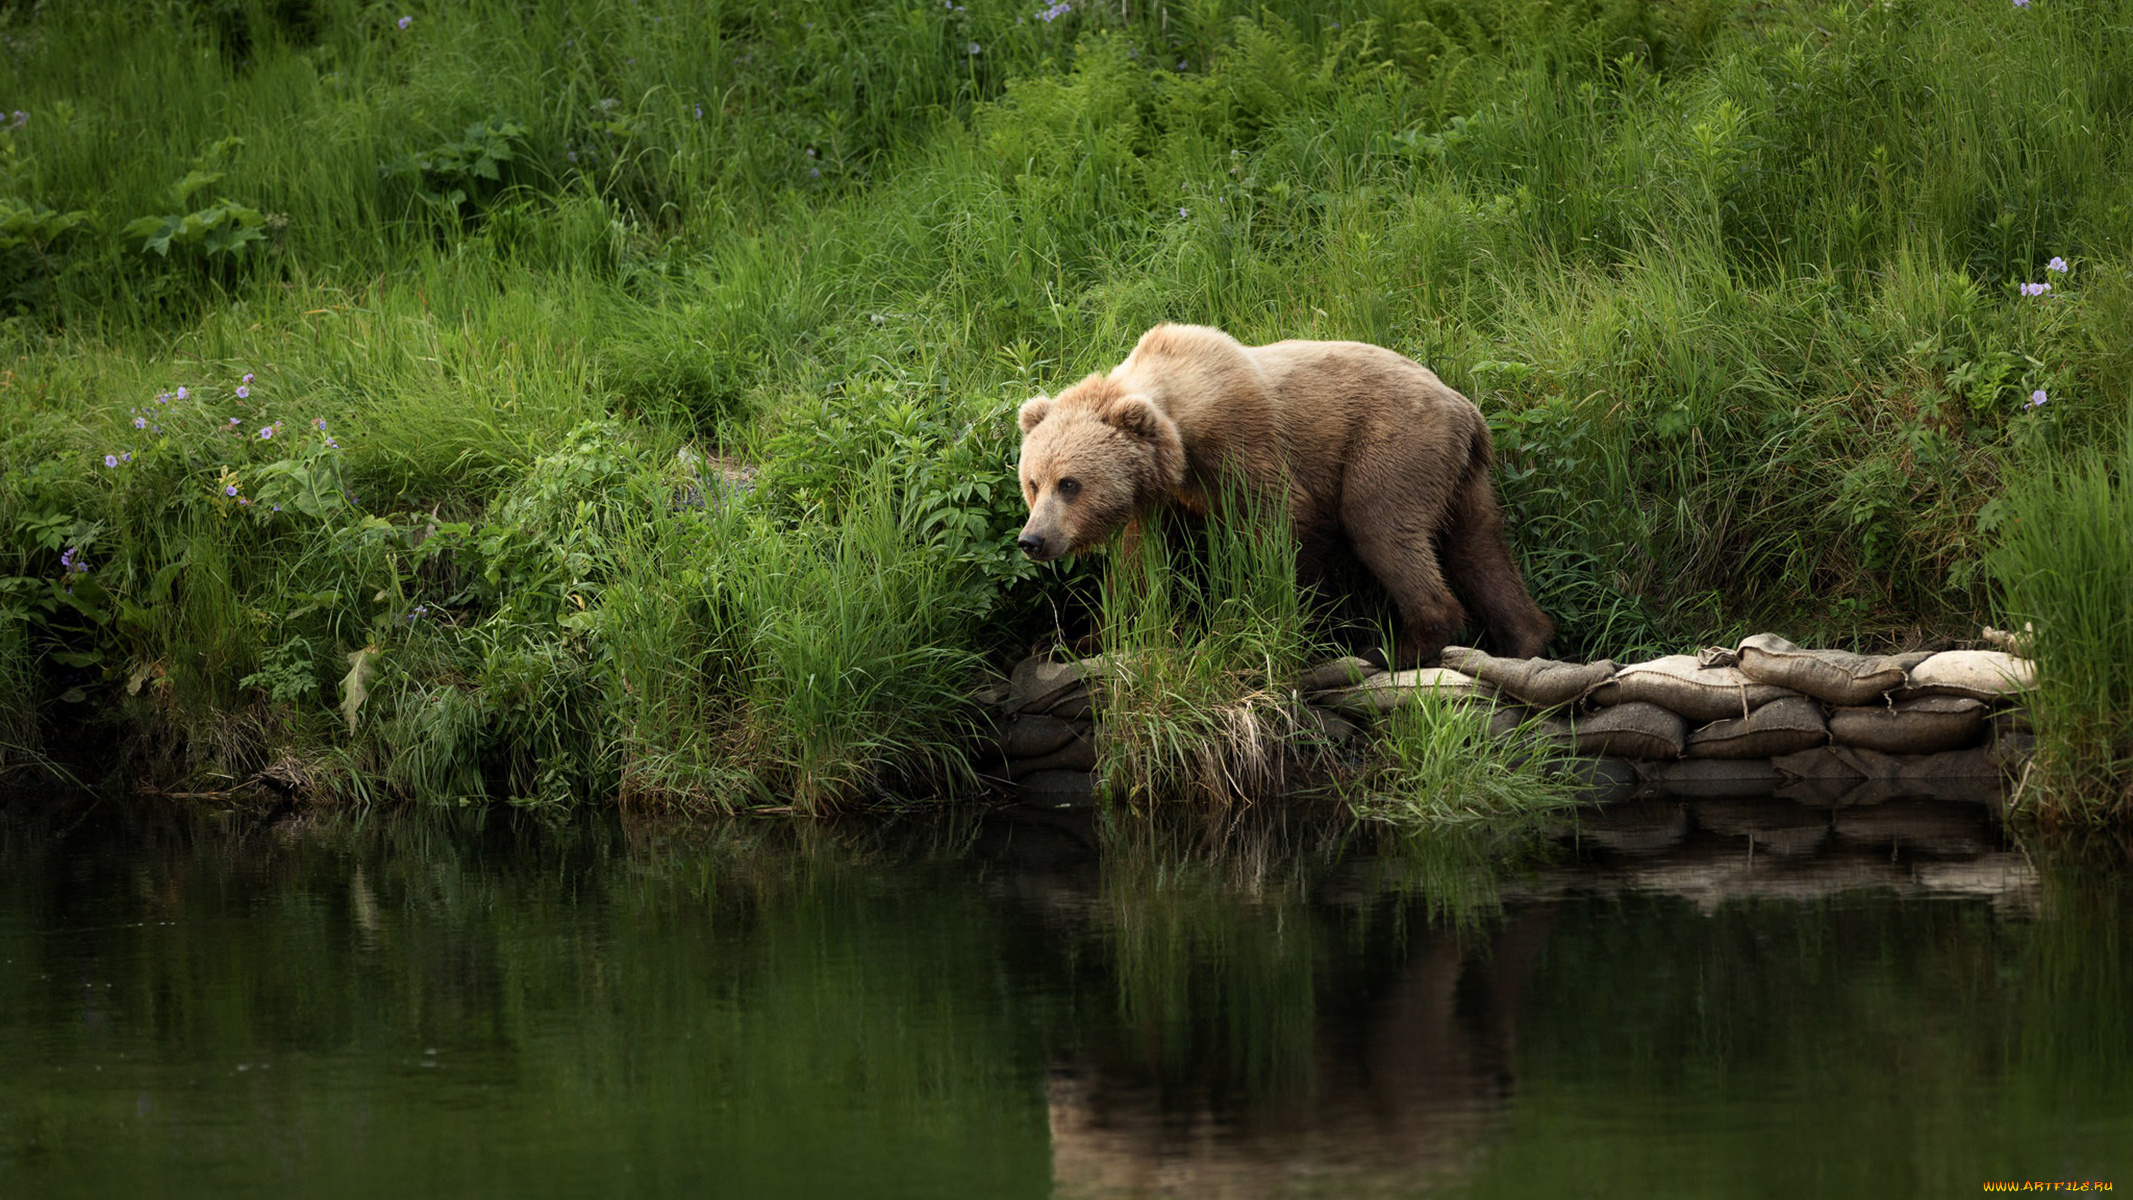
x: 1370, y: 447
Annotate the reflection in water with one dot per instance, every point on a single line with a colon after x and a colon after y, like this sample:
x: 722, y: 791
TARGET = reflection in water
x: 1713, y: 996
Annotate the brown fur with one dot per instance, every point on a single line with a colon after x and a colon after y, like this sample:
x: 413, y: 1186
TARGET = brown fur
x: 1369, y: 446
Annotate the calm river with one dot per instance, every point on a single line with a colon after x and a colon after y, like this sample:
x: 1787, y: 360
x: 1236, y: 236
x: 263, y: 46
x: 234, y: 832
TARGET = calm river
x: 1707, y: 998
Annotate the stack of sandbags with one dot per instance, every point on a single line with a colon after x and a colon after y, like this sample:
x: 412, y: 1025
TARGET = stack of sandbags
x: 1044, y: 740
x: 1764, y: 700
x: 1763, y: 714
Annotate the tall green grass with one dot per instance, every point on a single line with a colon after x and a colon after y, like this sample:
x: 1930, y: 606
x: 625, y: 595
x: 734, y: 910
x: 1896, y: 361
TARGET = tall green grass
x: 2066, y: 564
x: 806, y: 666
x: 1736, y: 285
x: 1202, y: 645
x: 1437, y: 764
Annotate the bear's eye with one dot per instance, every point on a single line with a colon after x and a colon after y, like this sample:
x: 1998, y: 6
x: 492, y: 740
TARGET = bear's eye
x: 1069, y: 487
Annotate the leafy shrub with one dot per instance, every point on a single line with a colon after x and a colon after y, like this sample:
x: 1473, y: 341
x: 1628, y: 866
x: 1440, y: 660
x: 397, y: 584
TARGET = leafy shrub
x: 465, y: 172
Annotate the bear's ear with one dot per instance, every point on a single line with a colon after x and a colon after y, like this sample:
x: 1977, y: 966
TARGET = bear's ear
x: 1134, y: 415
x: 1137, y: 418
x: 1034, y: 410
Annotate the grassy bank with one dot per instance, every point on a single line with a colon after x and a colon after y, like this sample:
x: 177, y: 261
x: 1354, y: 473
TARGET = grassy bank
x: 639, y: 376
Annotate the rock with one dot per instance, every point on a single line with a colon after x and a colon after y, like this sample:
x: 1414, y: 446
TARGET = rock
x: 1925, y: 725
x: 1341, y: 672
x: 1832, y: 676
x: 1635, y: 729
x: 1033, y: 735
x: 1541, y: 682
x: 1976, y: 674
x: 1677, y: 684
x: 992, y: 695
x: 1783, y: 726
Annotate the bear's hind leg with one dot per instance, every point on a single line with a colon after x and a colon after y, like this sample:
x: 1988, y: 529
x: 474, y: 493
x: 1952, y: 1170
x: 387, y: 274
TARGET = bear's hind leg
x: 1404, y: 559
x: 1478, y: 556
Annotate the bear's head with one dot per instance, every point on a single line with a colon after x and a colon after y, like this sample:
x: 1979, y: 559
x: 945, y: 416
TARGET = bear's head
x: 1091, y: 458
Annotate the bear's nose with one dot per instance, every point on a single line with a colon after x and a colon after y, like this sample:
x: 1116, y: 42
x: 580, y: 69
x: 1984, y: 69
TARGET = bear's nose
x: 1031, y: 544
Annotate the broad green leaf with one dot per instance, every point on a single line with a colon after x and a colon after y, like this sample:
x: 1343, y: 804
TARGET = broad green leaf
x: 355, y: 686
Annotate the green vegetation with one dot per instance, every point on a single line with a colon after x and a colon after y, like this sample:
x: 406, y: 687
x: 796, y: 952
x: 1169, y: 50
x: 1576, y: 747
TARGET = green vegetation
x: 617, y: 377
x: 2067, y: 566
x: 1439, y: 765
x: 1202, y: 652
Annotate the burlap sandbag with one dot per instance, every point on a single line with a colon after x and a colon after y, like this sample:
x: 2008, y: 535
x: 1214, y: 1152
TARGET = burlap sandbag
x: 1517, y: 723
x: 1927, y: 725
x: 1037, y: 684
x: 1833, y: 676
x: 1540, y: 682
x: 1034, y: 735
x: 1712, y: 777
x: 1783, y: 726
x: 1383, y: 693
x: 1978, y: 674
x: 1341, y: 672
x: 1635, y: 729
x: 1677, y: 684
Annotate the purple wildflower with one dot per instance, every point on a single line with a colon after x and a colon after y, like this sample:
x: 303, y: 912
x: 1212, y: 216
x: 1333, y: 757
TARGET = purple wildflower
x: 2056, y: 264
x: 247, y: 378
x: 1055, y: 12
x: 335, y: 445
x: 74, y: 562
x: 111, y: 460
x: 127, y: 457
x: 814, y: 172
x: 1183, y: 213
x: 319, y: 423
x: 2037, y: 399
x: 234, y: 422
x: 140, y: 422
x: 18, y: 119
x: 229, y: 490
x: 244, y: 392
x: 699, y: 112
x: 404, y: 22
x: 2021, y: 3
x: 2035, y: 289
x: 162, y: 397
x: 266, y: 433
x: 182, y: 393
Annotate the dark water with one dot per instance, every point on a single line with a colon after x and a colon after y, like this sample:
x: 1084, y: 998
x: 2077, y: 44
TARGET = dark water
x: 1701, y: 998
